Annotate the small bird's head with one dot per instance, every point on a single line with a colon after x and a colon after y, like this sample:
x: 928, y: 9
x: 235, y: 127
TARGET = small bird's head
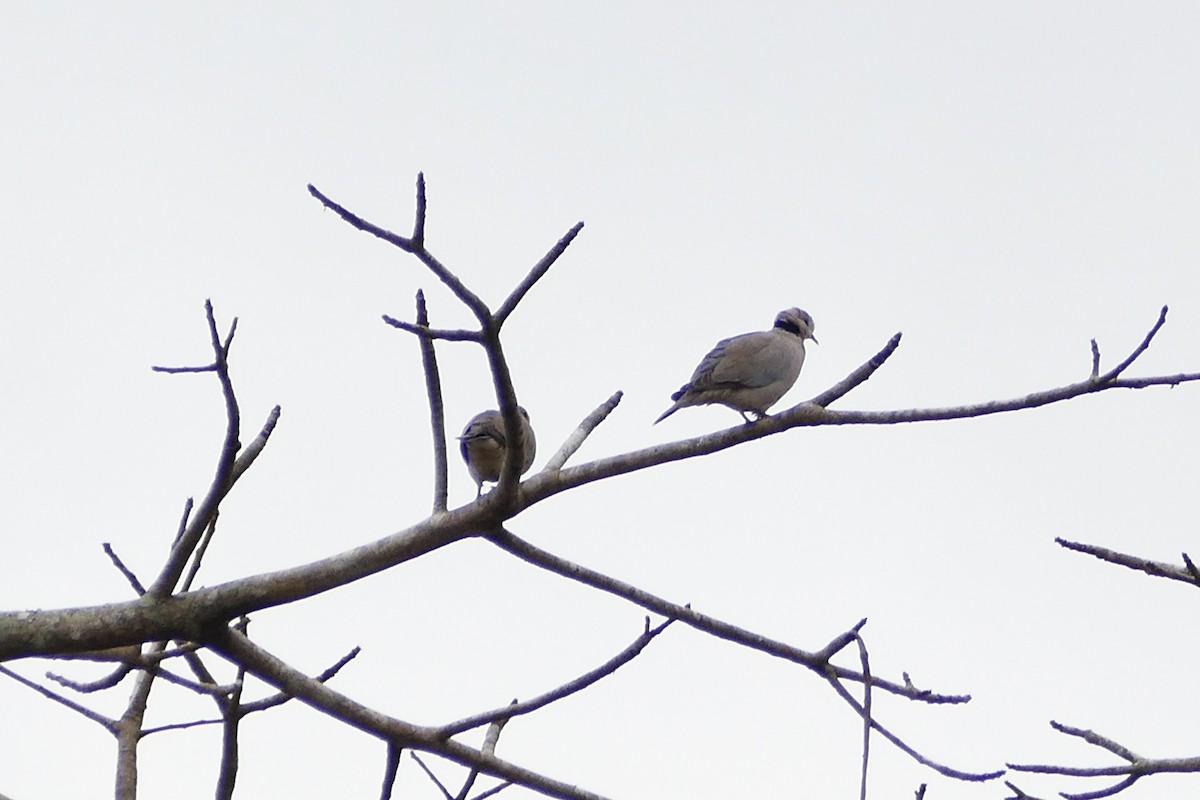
x: 798, y: 322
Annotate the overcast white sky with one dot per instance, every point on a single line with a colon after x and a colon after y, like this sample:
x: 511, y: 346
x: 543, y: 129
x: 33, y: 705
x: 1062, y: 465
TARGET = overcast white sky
x: 1001, y: 182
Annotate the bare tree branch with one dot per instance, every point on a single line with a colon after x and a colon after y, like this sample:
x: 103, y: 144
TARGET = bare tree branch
x: 230, y: 752
x: 267, y: 667
x: 429, y: 773
x: 865, y: 661
x: 391, y: 769
x: 129, y: 728
x: 414, y: 246
x: 418, y: 237
x: 515, y: 709
x: 169, y: 610
x: 198, y: 556
x: 949, y: 772
x: 124, y: 570
x: 283, y: 697
x: 1113, y: 373
x: 490, y: 740
x: 816, y: 661
x: 580, y: 434
x: 437, y: 412
x: 812, y: 414
x: 38, y: 632
x: 167, y: 579
x: 253, y: 707
x: 1158, y: 569
x: 1137, y: 767
x: 858, y: 377
x: 535, y: 274
x: 492, y: 791
x: 251, y: 451
x: 505, y: 493
x: 188, y: 505
x: 106, y: 723
x: 107, y: 682
x: 457, y: 335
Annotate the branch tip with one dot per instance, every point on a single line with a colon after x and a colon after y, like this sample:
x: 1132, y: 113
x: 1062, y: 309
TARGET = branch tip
x: 418, y: 237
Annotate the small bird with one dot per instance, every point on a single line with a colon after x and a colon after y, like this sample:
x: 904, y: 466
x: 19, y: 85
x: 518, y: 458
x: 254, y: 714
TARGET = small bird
x: 749, y: 373
x: 483, y: 446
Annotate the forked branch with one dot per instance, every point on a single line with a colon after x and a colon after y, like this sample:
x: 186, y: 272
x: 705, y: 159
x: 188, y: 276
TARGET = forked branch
x: 1136, y: 767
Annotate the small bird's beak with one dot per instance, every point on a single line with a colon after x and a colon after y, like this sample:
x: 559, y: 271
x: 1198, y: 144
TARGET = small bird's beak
x: 814, y: 339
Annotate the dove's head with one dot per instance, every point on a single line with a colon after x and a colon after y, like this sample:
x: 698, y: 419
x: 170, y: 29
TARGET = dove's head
x: 796, y: 321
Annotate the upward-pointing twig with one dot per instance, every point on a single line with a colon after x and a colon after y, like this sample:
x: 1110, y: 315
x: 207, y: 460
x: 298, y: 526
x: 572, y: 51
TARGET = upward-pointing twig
x: 1116, y: 371
x: 437, y: 413
x: 580, y: 434
x: 414, y: 246
x: 184, y: 545
x: 539, y: 269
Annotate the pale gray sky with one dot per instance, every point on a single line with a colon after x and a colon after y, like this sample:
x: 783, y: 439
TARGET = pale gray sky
x: 1001, y: 182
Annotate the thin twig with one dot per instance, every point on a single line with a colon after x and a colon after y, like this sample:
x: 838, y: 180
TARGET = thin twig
x: 723, y: 630
x: 230, y: 750
x: 246, y: 709
x: 251, y: 451
x: 469, y: 298
x: 205, y: 678
x: 495, y: 790
x: 580, y: 434
x: 215, y: 689
x: 457, y: 335
x: 418, y: 237
x: 590, y: 677
x: 1095, y: 360
x: 198, y: 556
x: 432, y: 777
x: 270, y: 668
x: 1157, y: 569
x: 183, y: 523
x: 949, y: 772
x: 1113, y: 373
x: 124, y: 570
x: 282, y: 697
x: 865, y: 661
x: 490, y: 740
x: 99, y: 685
x: 839, y: 643
x: 437, y: 411
x: 1017, y: 793
x: 1191, y: 568
x: 181, y: 552
x: 1093, y: 738
x: 539, y: 269
x: 245, y: 458
x: 106, y: 723
x: 858, y: 377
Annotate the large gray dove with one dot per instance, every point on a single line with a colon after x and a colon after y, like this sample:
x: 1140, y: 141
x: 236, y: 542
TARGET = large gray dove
x: 483, y: 446
x: 749, y: 373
